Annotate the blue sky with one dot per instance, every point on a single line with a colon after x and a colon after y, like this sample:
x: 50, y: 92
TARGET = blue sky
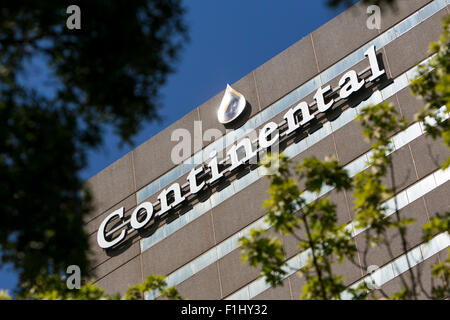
x: 229, y: 39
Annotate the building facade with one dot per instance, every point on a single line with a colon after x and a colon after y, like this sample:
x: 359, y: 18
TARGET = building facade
x: 182, y: 218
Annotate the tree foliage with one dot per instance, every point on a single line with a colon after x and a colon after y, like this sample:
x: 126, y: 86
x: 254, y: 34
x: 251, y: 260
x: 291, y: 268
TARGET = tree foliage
x: 313, y: 223
x: 53, y: 287
x: 107, y: 73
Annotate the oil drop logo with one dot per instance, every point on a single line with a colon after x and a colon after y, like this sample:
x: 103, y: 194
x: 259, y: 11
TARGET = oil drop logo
x: 232, y: 105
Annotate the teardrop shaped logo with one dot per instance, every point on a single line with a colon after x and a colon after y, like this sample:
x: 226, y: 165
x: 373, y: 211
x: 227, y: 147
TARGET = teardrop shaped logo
x: 232, y: 105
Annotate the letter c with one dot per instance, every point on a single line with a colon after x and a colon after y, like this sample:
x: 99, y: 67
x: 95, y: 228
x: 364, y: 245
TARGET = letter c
x: 102, y: 242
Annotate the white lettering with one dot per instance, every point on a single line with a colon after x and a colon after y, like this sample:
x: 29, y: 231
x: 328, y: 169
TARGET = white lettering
x: 148, y: 208
x: 290, y: 117
x: 239, y: 153
x: 246, y: 144
x: 319, y: 97
x: 102, y: 242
